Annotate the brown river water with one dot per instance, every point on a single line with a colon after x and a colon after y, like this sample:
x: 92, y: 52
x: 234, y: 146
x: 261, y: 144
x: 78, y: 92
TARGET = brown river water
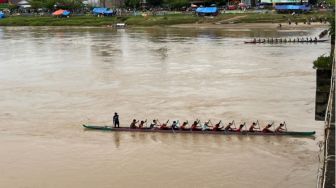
x: 52, y: 80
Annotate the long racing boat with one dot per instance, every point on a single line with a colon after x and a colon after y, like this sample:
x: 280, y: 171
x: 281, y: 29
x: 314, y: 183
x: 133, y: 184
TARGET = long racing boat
x: 127, y: 129
x: 278, y: 42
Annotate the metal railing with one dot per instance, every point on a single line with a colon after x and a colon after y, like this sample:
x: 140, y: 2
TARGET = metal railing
x: 322, y: 172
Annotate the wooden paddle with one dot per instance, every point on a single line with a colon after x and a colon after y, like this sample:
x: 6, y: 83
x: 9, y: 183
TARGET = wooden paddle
x: 272, y: 125
x: 219, y: 123
x: 285, y: 126
x: 245, y: 126
x: 234, y: 124
x: 258, y: 125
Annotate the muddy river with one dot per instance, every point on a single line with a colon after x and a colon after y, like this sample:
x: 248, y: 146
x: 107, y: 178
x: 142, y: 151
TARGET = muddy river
x: 54, y: 79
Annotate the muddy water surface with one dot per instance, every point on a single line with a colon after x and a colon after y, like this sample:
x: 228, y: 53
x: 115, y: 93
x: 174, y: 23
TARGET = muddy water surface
x: 54, y: 79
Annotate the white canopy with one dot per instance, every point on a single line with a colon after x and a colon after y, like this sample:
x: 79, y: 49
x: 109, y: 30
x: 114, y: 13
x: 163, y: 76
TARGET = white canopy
x: 23, y: 2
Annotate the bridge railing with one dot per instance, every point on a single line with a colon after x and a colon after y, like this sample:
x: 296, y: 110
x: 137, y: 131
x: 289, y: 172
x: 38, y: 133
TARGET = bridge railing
x: 322, y: 172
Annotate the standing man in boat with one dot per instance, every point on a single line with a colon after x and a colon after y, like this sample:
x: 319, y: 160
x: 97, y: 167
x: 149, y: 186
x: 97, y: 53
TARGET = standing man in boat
x: 116, y: 120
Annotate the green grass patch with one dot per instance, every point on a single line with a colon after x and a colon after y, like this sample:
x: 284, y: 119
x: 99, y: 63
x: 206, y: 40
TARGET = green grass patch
x: 169, y: 19
x: 161, y: 20
x: 53, y: 21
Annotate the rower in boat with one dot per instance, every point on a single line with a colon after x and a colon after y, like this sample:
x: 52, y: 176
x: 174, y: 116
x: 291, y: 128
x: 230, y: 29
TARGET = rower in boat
x: 315, y: 39
x: 141, y: 125
x: 285, y: 40
x: 310, y: 39
x: 153, y: 124
x: 289, y: 40
x: 241, y: 126
x: 164, y: 126
x: 217, y: 126
x: 206, y: 126
x: 194, y: 126
x: 108, y: 128
x: 229, y: 127
x: 267, y: 129
x: 184, y: 125
x: 133, y: 124
x: 174, y: 125
x: 253, y: 127
x: 280, y: 128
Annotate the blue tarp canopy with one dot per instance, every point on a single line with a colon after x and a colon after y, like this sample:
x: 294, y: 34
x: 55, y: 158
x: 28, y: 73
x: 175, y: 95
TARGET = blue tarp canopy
x: 207, y: 10
x: 292, y: 7
x: 105, y: 11
x: 2, y: 15
x: 66, y: 13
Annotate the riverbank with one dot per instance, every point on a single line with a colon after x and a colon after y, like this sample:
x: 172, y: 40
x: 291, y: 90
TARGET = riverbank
x: 171, y: 19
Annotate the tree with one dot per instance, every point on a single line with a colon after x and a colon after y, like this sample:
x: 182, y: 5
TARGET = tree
x: 177, y: 3
x: 331, y: 21
x: 155, y: 3
x: 132, y: 3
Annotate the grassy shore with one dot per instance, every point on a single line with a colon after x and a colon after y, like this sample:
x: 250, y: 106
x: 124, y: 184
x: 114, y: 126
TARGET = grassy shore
x: 155, y: 20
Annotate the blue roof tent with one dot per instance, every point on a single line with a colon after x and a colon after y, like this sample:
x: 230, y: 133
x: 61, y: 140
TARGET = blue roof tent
x: 304, y: 8
x: 2, y: 15
x: 104, y: 11
x: 66, y: 13
x: 207, y: 11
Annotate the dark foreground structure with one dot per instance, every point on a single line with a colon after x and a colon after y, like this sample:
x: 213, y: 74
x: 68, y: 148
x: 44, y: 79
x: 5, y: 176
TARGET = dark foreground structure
x: 327, y: 177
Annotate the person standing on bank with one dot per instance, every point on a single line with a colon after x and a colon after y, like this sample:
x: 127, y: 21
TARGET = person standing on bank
x: 116, y: 120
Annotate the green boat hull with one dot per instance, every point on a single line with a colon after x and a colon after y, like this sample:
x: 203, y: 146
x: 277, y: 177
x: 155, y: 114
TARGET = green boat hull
x: 126, y: 129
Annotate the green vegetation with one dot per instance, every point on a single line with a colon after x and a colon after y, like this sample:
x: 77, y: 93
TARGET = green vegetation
x: 323, y: 62
x: 149, y: 20
x: 95, y: 21
x: 50, y: 4
x: 53, y: 21
x: 161, y: 20
x: 3, y: 6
